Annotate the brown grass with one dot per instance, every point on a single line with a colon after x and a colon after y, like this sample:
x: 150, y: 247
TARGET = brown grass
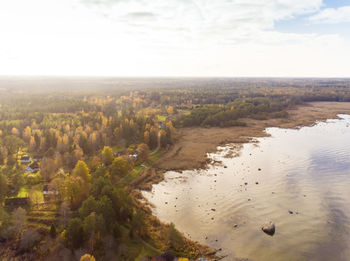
x: 190, y: 152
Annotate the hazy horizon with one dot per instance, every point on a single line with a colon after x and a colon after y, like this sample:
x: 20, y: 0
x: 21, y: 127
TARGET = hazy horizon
x: 168, y: 38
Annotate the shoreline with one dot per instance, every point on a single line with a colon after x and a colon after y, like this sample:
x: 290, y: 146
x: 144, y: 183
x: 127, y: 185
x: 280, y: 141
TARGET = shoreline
x: 191, y: 150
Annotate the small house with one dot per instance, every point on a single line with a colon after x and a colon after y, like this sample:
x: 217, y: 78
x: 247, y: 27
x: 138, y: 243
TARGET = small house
x: 134, y: 157
x: 49, y: 190
x: 16, y: 202
x: 28, y: 170
x: 118, y: 154
x: 25, y: 159
x: 37, y: 158
x: 32, y: 168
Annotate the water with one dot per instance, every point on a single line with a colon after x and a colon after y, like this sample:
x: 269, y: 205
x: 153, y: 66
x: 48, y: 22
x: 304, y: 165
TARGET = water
x: 304, y: 170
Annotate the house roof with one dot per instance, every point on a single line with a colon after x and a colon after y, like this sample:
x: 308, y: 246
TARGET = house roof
x: 34, y: 165
x: 17, y: 201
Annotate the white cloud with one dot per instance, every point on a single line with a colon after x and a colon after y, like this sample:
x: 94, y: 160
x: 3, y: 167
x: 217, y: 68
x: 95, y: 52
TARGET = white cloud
x: 332, y: 15
x: 164, y: 37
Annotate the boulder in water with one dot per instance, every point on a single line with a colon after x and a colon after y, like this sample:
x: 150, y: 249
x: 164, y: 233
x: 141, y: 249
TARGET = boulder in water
x: 269, y: 228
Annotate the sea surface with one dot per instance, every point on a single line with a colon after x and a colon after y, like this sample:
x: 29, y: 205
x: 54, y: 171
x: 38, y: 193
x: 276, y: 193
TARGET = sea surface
x: 297, y: 178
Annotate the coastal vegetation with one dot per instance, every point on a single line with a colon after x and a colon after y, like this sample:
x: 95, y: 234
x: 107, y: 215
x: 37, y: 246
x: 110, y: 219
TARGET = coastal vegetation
x: 68, y: 159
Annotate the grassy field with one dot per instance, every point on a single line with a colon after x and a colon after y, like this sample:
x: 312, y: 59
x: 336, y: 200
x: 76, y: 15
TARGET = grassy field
x: 136, y: 171
x: 161, y: 118
x: 146, y: 251
x: 35, y: 193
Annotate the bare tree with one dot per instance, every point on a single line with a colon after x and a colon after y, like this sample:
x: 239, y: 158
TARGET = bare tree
x: 64, y: 213
x: 29, y: 239
x: 19, y: 218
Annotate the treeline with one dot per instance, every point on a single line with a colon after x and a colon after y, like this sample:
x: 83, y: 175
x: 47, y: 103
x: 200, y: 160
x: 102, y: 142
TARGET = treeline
x: 72, y: 136
x: 229, y: 114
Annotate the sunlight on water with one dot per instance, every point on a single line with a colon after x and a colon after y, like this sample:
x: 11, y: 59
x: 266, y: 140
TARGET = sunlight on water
x: 306, y: 171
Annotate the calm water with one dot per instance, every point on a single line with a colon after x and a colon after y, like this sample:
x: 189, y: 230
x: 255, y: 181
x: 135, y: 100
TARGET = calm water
x: 306, y: 171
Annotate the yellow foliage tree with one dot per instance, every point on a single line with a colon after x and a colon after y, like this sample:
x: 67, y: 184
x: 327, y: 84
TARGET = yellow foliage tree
x: 14, y: 131
x: 82, y: 170
x: 170, y: 110
x: 107, y: 155
x: 32, y: 144
x: 87, y: 257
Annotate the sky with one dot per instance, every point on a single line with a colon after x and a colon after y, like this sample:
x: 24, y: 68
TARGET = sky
x: 202, y: 38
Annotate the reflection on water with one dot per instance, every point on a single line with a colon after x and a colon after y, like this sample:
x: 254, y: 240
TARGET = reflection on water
x: 306, y: 171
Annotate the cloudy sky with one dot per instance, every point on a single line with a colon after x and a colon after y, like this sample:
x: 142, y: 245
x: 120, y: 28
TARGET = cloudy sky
x: 302, y: 38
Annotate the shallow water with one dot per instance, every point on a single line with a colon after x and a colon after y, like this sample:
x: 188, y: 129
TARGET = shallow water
x: 304, y: 170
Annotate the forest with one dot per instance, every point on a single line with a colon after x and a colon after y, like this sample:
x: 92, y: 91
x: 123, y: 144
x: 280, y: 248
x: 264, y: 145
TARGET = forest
x: 68, y: 156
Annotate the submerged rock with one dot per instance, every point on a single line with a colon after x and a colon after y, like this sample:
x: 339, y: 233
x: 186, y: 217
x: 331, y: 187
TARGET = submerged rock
x: 269, y: 228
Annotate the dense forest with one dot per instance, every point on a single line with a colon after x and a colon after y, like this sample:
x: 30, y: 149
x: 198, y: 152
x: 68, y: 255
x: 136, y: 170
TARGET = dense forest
x: 68, y: 156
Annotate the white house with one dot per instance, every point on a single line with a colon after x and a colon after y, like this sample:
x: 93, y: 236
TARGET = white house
x: 25, y: 159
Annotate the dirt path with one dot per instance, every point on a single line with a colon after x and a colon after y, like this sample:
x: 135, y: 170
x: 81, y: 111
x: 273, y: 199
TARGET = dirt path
x: 190, y: 152
x: 158, y: 146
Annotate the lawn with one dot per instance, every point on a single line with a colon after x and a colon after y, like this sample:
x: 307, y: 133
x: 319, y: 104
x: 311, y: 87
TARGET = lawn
x: 161, y: 118
x: 35, y: 193
x: 147, y: 250
x: 136, y: 171
x: 23, y: 192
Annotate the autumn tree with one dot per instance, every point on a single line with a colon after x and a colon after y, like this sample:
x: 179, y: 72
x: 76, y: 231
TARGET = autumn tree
x: 75, y: 190
x: 107, y: 155
x: 75, y: 233
x: 27, y: 133
x: 170, y: 110
x: 153, y: 138
x: 47, y: 168
x: 95, y: 163
x: 15, y: 131
x: 78, y: 154
x: 53, y: 231
x: 120, y: 166
x: 29, y: 239
x: 174, y: 238
x: 3, y: 188
x: 82, y: 170
x: 169, y: 125
x: 87, y: 257
x: 163, y: 138
x: 138, y: 224
x: 4, y: 218
x: 65, y: 213
x: 146, y: 137
x: 143, y: 152
x: 19, y: 218
x: 32, y: 144
x: 3, y: 155
x: 13, y: 144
